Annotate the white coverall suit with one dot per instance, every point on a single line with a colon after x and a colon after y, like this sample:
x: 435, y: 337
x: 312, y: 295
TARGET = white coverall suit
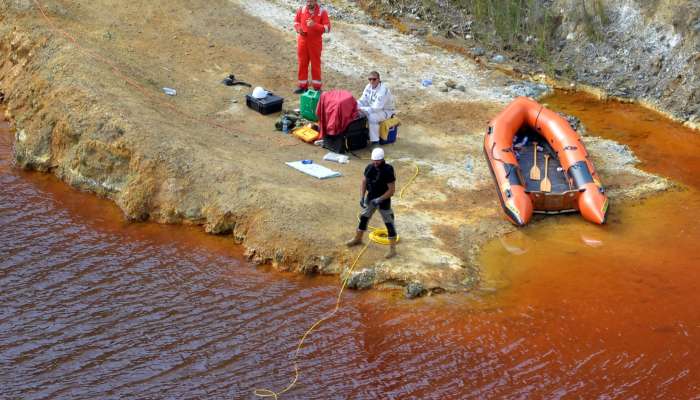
x: 377, y: 104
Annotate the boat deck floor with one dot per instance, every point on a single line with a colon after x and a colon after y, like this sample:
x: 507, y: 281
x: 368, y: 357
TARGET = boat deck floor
x: 554, y: 171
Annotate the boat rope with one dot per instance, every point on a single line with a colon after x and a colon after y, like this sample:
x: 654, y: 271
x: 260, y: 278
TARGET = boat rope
x: 272, y: 393
x: 537, y: 119
x: 493, y: 155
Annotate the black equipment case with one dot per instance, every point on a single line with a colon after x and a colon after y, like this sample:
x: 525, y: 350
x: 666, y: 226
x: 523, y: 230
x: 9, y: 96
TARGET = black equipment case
x: 268, y: 105
x: 354, y: 137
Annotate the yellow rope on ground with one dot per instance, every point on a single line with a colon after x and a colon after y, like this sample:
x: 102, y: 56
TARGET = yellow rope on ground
x: 381, y: 236
x: 409, y: 182
x: 377, y: 235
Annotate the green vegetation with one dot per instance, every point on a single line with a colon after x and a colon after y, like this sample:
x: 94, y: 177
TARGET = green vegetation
x: 525, y: 26
x: 513, y: 24
x: 508, y: 22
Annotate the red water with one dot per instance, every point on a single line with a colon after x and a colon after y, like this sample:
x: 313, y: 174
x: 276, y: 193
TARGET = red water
x: 93, y: 307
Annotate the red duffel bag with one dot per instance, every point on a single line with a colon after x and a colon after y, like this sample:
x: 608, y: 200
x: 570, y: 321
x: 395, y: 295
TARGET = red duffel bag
x: 336, y: 109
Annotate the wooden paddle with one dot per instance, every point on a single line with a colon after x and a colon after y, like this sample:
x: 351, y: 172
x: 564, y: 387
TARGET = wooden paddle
x: 546, y: 185
x: 535, y: 170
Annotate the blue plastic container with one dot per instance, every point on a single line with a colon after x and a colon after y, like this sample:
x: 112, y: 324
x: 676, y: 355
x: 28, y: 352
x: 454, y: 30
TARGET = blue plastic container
x: 391, y: 135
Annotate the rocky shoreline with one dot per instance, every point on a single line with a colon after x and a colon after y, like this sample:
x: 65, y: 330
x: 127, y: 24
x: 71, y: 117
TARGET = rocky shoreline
x: 92, y: 112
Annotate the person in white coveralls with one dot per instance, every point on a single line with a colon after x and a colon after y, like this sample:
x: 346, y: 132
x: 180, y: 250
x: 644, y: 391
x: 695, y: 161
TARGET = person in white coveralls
x: 377, y: 104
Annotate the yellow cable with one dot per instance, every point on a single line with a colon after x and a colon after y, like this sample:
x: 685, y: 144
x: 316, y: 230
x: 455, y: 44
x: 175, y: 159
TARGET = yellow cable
x: 273, y: 394
x: 377, y: 235
x: 381, y: 236
x: 409, y: 183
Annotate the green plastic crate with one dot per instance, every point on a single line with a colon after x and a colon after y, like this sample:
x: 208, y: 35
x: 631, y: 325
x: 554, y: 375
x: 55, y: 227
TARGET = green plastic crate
x: 308, y: 103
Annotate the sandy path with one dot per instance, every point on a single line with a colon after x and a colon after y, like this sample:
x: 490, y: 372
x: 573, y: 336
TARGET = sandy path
x: 354, y: 48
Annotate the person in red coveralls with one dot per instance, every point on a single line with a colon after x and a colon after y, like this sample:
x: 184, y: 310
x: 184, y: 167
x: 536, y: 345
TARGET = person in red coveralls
x: 310, y: 22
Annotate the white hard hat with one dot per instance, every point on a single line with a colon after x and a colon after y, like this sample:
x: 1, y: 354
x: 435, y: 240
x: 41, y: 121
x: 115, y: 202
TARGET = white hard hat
x: 259, y: 93
x: 377, y: 154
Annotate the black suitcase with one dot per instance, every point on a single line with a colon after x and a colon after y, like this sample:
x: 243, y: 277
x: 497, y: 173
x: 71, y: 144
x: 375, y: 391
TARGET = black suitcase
x: 354, y: 137
x: 357, y: 134
x: 268, y: 105
x: 335, y: 143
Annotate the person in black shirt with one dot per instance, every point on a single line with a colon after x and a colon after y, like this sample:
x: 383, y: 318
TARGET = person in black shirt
x: 378, y: 183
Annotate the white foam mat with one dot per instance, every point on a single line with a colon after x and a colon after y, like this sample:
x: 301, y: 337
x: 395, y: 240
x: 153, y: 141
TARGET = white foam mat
x: 313, y: 169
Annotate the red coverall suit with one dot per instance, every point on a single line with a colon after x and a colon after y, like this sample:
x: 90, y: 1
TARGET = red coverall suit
x: 310, y: 43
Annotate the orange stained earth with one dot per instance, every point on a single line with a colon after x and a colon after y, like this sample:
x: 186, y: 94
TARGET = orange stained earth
x: 95, y: 307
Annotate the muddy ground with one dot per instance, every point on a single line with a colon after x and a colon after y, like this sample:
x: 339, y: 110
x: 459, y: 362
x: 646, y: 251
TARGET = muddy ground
x: 83, y: 87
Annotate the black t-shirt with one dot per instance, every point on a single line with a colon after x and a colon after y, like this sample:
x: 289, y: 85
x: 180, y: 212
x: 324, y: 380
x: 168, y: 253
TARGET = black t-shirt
x: 378, y: 180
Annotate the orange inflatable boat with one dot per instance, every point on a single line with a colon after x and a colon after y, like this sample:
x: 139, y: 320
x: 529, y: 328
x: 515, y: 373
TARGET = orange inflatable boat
x: 540, y: 165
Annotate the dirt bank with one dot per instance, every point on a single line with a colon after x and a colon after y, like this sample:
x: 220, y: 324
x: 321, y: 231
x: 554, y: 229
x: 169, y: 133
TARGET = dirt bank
x: 84, y: 91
